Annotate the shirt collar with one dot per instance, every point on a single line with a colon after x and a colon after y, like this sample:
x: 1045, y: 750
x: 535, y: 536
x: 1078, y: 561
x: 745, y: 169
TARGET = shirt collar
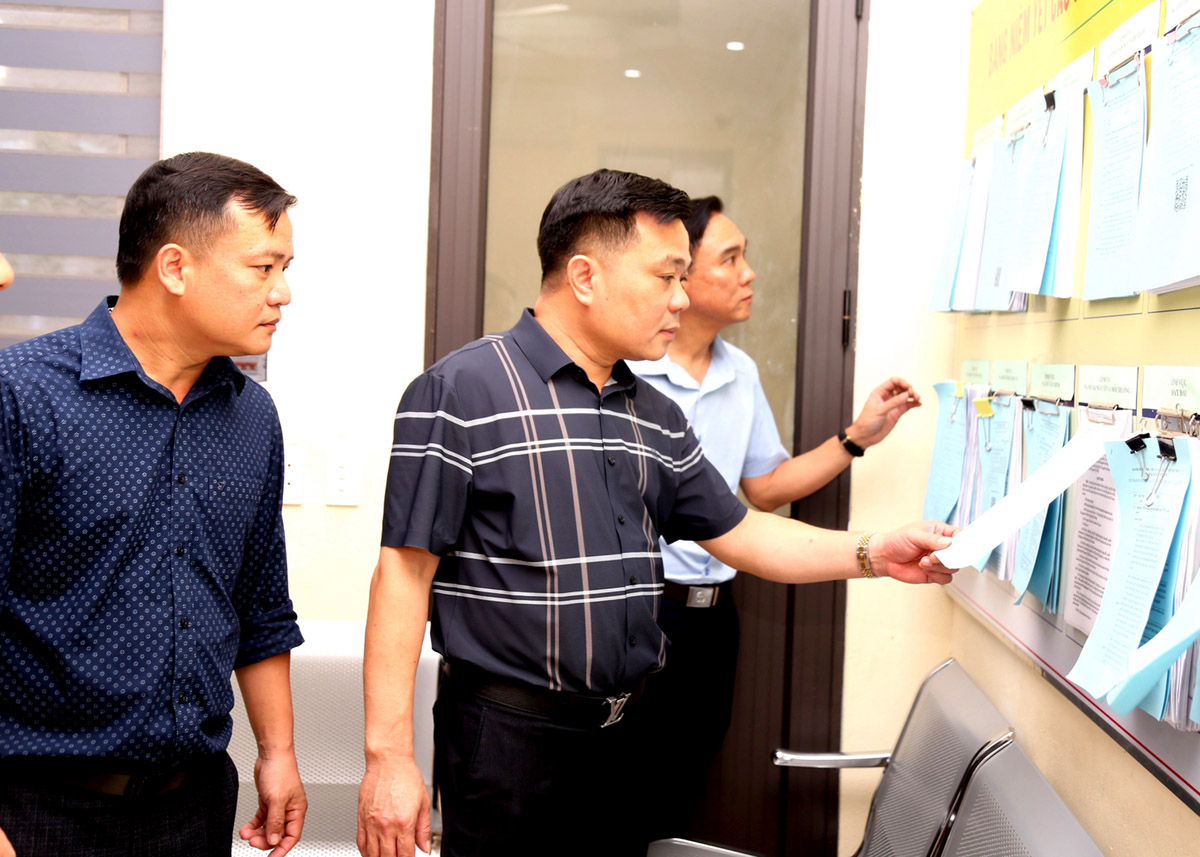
x: 104, y: 354
x: 548, y: 359
x: 721, y: 370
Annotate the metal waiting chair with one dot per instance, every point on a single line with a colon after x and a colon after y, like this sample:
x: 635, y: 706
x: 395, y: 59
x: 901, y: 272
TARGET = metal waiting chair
x: 952, y: 729
x: 1009, y: 810
x: 327, y: 697
x: 687, y: 848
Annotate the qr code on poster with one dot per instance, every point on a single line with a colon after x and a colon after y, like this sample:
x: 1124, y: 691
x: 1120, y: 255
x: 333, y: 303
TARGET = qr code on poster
x: 1181, y: 193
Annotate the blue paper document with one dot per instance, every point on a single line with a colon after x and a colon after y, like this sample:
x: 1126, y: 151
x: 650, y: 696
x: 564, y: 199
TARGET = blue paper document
x: 1046, y: 429
x: 949, y: 447
x: 1168, y: 220
x: 1169, y: 632
x: 1150, y: 492
x: 1118, y: 141
x: 1058, y: 280
x: 943, y: 287
x: 1000, y: 224
x: 1037, y: 170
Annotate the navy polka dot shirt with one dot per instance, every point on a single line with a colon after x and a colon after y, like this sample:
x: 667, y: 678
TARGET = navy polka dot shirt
x: 141, y: 549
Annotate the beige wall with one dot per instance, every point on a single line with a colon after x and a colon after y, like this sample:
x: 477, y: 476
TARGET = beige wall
x: 913, y: 144
x: 336, y: 107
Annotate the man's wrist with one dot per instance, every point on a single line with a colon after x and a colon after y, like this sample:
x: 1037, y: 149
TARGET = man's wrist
x: 846, y: 439
x: 276, y: 751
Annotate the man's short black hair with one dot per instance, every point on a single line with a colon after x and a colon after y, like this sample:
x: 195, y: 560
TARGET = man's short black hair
x: 600, y: 209
x: 184, y: 200
x: 702, y: 211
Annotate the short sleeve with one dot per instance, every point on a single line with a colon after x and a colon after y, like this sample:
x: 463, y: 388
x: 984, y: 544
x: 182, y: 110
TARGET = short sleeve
x: 429, y: 478
x: 765, y: 451
x: 704, y: 506
x: 261, y: 599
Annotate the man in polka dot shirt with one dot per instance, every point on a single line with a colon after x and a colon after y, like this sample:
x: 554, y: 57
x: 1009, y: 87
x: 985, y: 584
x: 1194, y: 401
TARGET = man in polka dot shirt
x: 141, y: 539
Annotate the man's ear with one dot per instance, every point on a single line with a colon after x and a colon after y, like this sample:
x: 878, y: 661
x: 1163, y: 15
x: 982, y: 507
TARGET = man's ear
x: 171, y: 263
x: 582, y: 274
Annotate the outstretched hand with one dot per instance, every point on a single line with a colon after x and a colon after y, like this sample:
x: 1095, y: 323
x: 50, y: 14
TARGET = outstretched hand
x: 907, y: 553
x: 887, y: 403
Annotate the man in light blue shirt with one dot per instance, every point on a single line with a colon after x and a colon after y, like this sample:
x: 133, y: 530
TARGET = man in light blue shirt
x: 717, y: 386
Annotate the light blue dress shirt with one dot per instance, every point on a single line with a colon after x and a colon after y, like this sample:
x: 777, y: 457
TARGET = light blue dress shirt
x: 730, y: 416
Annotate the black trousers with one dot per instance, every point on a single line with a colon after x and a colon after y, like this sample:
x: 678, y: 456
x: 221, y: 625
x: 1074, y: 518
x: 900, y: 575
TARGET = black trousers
x: 514, y: 782
x: 43, y: 818
x: 685, y: 711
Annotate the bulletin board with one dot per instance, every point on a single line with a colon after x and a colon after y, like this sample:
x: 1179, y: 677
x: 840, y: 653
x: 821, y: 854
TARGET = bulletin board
x: 1016, y: 46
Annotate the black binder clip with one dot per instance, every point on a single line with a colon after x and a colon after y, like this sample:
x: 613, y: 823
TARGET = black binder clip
x: 1137, y: 446
x: 1166, y: 455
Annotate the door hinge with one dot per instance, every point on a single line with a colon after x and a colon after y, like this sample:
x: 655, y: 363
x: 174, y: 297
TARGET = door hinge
x: 845, y: 318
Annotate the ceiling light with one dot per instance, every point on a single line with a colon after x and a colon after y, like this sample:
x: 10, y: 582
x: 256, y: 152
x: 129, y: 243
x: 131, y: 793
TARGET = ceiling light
x: 735, y: 46
x: 632, y: 72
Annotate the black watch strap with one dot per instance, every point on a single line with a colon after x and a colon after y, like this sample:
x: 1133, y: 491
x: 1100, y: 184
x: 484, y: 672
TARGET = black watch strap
x: 850, y: 446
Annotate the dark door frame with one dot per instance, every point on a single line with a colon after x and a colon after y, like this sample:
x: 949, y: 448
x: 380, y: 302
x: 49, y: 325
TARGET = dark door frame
x: 797, y: 660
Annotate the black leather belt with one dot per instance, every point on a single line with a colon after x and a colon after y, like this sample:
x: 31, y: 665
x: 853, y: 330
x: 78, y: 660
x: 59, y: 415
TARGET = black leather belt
x: 569, y: 708
x: 697, y: 596
x: 82, y: 774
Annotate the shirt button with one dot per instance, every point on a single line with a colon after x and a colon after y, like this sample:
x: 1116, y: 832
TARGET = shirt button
x: 179, y: 550
x: 183, y: 699
x: 181, y: 478
x: 632, y: 641
x: 183, y: 623
x: 633, y: 580
x: 620, y: 519
x: 612, y: 459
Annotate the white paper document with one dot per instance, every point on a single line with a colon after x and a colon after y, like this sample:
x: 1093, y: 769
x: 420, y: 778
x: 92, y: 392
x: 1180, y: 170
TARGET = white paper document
x: 1118, y: 141
x: 1150, y: 510
x: 1021, y: 504
x: 969, y: 493
x: 997, y: 421
x: 1094, y: 524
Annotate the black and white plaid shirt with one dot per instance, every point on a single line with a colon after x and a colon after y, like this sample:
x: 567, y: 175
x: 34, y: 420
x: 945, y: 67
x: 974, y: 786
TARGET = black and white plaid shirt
x: 545, y: 501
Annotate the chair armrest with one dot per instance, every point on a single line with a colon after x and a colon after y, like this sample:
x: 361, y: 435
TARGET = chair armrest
x: 789, y: 759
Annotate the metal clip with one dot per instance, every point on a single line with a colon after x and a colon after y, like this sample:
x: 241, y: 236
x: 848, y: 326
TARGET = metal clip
x: 1028, y: 412
x: 1166, y: 455
x: 1173, y: 419
x: 1185, y: 26
x: 616, y: 709
x: 1101, y: 412
x: 985, y: 429
x: 1045, y: 403
x: 1137, y: 446
x: 1049, y: 114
